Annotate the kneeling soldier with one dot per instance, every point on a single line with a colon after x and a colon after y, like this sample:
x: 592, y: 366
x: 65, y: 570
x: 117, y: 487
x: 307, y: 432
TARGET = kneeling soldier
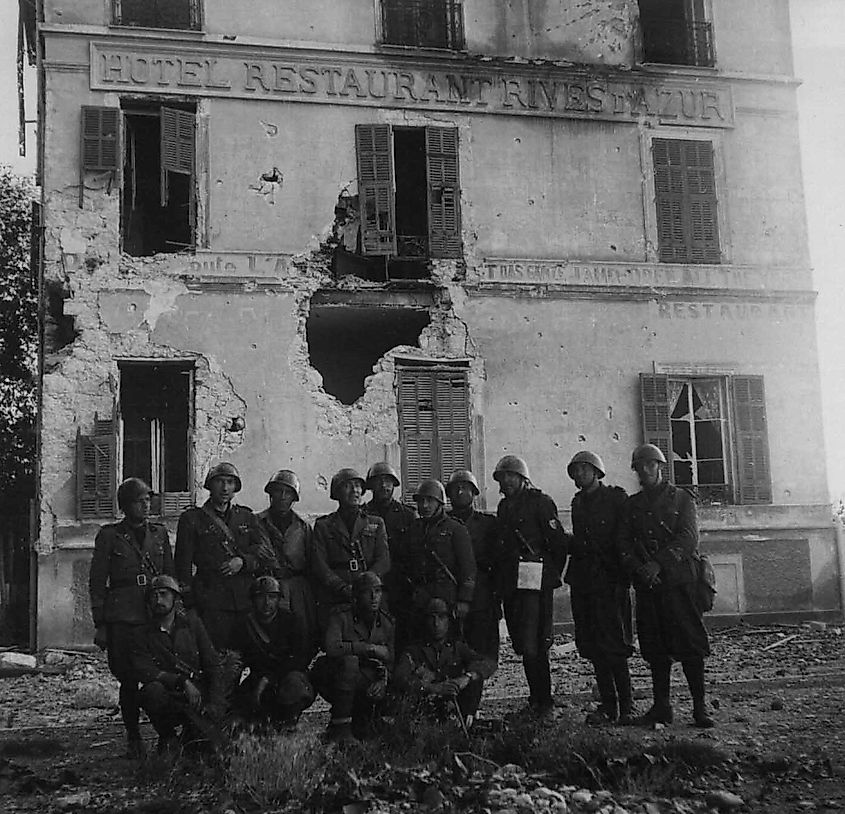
x: 354, y: 673
x: 180, y: 670
x: 274, y: 647
x: 444, y: 671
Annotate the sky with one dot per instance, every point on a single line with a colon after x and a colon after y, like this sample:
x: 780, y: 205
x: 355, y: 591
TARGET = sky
x: 818, y: 29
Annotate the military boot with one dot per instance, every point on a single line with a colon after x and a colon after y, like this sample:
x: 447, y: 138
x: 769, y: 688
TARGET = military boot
x: 694, y: 671
x: 624, y: 692
x: 660, y: 711
x: 609, y: 707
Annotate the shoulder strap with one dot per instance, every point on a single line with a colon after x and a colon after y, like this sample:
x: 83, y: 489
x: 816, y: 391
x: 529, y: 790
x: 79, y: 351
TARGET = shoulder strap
x: 229, y: 538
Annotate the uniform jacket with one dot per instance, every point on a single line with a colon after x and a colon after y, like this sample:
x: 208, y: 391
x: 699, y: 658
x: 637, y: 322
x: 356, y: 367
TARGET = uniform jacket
x: 425, y: 663
x: 594, y: 547
x: 660, y: 526
x: 431, y: 547
x: 273, y: 650
x: 397, y: 520
x: 349, y: 635
x: 294, y: 547
x: 185, y: 652
x: 201, y: 543
x: 486, y: 548
x: 531, y: 517
x: 339, y: 556
x: 120, y: 570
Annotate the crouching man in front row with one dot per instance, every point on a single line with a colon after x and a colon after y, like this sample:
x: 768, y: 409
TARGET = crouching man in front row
x: 354, y: 673
x: 180, y: 671
x: 274, y: 646
x: 447, y: 674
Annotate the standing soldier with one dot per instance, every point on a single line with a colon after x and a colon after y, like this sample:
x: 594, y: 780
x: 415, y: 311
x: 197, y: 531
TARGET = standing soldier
x: 534, y: 552
x: 293, y: 546
x: 600, y: 595
x: 226, y: 545
x: 127, y: 555
x: 347, y: 542
x: 659, y: 543
x: 481, y: 626
x: 437, y: 562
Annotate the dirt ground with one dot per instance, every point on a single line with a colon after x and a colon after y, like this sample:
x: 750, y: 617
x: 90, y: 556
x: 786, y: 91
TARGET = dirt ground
x: 778, y: 694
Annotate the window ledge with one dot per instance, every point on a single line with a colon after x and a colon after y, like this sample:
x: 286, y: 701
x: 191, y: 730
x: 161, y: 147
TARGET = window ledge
x: 167, y: 33
x: 392, y: 48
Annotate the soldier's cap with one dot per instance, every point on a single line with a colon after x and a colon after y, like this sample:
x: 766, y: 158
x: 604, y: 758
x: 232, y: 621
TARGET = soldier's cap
x: 366, y: 581
x: 437, y: 607
x: 265, y: 585
x: 165, y: 581
x: 130, y: 490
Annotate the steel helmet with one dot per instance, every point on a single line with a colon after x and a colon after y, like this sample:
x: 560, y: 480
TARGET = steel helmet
x: 342, y: 476
x: 382, y: 468
x: 463, y: 476
x: 586, y: 457
x: 647, y: 452
x: 165, y: 581
x: 131, y: 490
x: 286, y: 477
x: 365, y: 581
x: 223, y: 469
x: 431, y: 488
x: 511, y: 463
x: 437, y: 607
x: 265, y: 585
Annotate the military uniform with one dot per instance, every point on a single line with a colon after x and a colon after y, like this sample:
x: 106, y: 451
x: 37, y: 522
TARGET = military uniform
x: 531, y: 532
x: 278, y: 654
x: 437, y: 562
x: 340, y: 555
x: 481, y: 626
x: 397, y: 520
x: 205, y: 540
x: 293, y: 544
x: 125, y: 559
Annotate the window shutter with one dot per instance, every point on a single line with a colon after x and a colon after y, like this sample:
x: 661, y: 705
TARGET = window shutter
x: 99, y: 138
x: 452, y: 412
x: 657, y: 429
x: 375, y: 188
x: 444, y: 194
x: 416, y: 429
x: 754, y: 479
x: 96, y: 471
x: 177, y: 145
x: 701, y: 192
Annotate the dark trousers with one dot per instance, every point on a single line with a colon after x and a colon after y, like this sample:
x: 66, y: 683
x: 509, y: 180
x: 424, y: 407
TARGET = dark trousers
x: 481, y: 633
x: 119, y: 636
x: 528, y: 615
x: 219, y: 624
x: 168, y: 709
x: 281, y: 702
x: 344, y: 682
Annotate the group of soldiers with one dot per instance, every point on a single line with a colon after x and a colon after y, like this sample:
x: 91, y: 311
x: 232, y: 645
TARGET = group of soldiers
x: 378, y: 605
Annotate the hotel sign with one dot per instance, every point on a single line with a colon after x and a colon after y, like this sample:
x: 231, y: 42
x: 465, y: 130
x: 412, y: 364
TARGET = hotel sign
x: 362, y: 80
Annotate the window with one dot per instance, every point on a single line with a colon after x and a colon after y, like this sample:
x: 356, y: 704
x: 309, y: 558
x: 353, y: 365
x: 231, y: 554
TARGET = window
x: 423, y: 23
x: 676, y: 32
x: 712, y: 430
x: 434, y: 432
x: 158, y: 206
x: 179, y: 14
x: 685, y: 197
x: 148, y: 437
x: 409, y: 192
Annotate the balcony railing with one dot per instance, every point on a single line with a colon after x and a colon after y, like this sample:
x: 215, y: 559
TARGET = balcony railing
x: 678, y: 42
x: 423, y: 23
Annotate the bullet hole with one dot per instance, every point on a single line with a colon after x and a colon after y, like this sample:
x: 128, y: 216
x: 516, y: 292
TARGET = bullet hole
x: 615, y: 436
x: 517, y: 140
x: 613, y: 248
x: 531, y: 202
x: 270, y: 129
x: 610, y: 413
x: 322, y: 483
x: 346, y: 341
x: 273, y: 177
x: 59, y: 328
x: 582, y: 439
x: 564, y: 412
x: 254, y: 346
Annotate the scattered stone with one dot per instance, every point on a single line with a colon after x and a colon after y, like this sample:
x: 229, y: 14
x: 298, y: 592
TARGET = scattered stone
x: 81, y: 799
x: 651, y: 808
x: 724, y: 800
x: 13, y: 659
x: 817, y: 627
x: 582, y: 797
x: 777, y: 704
x: 94, y: 695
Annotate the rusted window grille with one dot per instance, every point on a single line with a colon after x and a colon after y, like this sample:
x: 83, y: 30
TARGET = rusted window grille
x: 678, y: 42
x: 423, y: 23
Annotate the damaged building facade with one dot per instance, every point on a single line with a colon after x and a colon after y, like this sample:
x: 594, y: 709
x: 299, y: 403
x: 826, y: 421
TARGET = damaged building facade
x: 432, y: 232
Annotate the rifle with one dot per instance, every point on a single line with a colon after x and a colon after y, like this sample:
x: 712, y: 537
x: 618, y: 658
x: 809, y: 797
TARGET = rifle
x: 198, y: 718
x: 460, y: 717
x: 522, y: 541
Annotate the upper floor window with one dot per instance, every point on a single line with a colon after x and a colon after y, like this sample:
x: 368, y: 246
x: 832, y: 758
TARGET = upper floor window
x: 423, y: 23
x: 676, y: 32
x: 177, y: 14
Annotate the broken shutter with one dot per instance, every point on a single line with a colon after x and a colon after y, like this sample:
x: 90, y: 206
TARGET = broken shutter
x: 177, y: 145
x: 96, y: 469
x: 657, y: 429
x: 98, y: 142
x: 416, y: 428
x: 452, y: 413
x: 754, y: 483
x: 685, y: 199
x: 373, y: 145
x: 444, y: 194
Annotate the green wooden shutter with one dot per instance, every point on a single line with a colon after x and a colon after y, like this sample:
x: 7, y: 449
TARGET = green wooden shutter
x: 452, y: 414
x: 100, y: 138
x: 685, y: 199
x: 96, y: 471
x: 444, y: 194
x: 177, y: 145
x: 416, y: 429
x: 657, y: 428
x: 373, y: 146
x: 754, y: 480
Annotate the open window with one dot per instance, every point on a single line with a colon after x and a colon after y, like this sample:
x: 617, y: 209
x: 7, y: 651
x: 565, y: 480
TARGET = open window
x: 177, y: 14
x: 423, y: 23
x: 434, y: 423
x: 712, y: 430
x: 149, y: 436
x: 676, y: 32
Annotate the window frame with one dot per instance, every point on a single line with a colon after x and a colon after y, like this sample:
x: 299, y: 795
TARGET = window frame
x: 691, y: 19
x: 458, y: 47
x: 196, y: 13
